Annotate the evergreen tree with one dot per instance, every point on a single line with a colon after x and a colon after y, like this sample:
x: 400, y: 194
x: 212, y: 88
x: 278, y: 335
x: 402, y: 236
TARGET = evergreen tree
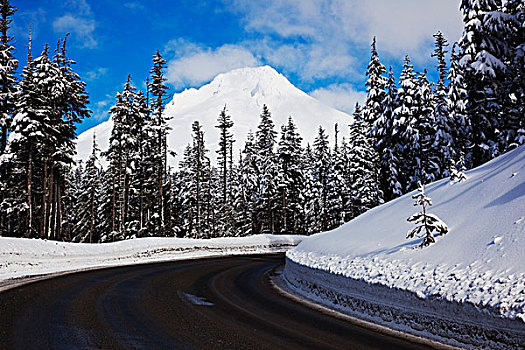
x: 457, y: 100
x: 375, y: 84
x: 427, y: 223
x: 311, y: 192
x: 159, y: 121
x: 122, y: 155
x: 267, y: 196
x: 336, y: 191
x: 225, y: 164
x: 246, y: 189
x: 457, y: 171
x: 290, y: 179
x: 86, y: 199
x: 484, y: 51
x: 197, y: 169
x: 323, y: 161
x: 365, y: 182
x: 405, y: 126
x: 443, y: 124
x: 427, y: 166
x: 8, y: 67
x: 388, y: 143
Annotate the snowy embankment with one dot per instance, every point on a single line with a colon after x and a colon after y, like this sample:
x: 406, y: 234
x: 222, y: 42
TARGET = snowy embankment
x: 21, y: 257
x: 467, y: 288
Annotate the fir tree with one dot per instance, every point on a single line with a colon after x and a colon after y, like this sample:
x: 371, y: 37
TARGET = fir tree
x: 405, y: 126
x: 483, y: 54
x: 457, y: 100
x: 87, y: 203
x: 375, y: 84
x: 388, y: 143
x: 428, y: 158
x: 336, y: 191
x: 267, y: 196
x: 247, y: 189
x: 365, y: 183
x: 290, y: 178
x: 8, y: 67
x: 225, y: 164
x: 443, y: 124
x: 322, y: 156
x: 426, y: 223
x: 159, y: 121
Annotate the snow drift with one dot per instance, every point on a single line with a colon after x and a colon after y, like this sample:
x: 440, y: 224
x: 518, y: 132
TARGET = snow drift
x: 479, y: 265
x: 244, y: 91
x: 20, y: 257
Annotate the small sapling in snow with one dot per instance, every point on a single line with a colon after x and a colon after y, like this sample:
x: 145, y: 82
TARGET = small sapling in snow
x: 457, y: 171
x: 426, y: 223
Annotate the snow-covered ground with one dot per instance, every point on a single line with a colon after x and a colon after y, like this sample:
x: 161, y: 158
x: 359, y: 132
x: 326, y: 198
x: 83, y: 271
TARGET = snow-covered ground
x: 21, y: 257
x: 475, y: 274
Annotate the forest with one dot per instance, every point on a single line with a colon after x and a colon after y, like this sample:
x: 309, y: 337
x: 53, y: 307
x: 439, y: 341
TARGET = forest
x: 409, y: 130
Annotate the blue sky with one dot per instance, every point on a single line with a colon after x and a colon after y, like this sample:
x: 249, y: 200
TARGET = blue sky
x: 321, y: 46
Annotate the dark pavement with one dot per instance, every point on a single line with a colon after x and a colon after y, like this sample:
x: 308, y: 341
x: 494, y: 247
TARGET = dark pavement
x: 215, y: 303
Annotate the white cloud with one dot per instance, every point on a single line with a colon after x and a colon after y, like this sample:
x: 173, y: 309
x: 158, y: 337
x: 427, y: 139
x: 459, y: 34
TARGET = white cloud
x: 81, y: 27
x: 96, y: 73
x: 195, y: 64
x: 336, y: 29
x: 340, y: 96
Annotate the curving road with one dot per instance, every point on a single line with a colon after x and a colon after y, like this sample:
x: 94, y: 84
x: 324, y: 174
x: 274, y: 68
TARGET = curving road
x: 216, y: 303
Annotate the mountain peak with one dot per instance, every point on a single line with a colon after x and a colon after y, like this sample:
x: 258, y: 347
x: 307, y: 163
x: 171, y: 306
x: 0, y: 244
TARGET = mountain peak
x: 244, y: 91
x: 257, y: 82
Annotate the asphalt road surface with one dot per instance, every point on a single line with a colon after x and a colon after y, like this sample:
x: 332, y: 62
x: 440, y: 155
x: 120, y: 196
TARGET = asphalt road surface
x: 216, y: 303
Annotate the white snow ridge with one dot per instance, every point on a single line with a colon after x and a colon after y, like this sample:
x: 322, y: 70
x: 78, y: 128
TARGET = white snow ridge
x: 244, y: 91
x: 466, y: 289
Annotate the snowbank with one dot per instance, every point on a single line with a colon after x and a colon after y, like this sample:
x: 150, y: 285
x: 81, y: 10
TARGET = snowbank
x: 479, y: 265
x: 21, y: 257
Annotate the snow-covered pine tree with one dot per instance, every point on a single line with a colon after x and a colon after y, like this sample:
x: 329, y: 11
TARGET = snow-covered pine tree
x: 197, y: 167
x: 35, y: 145
x: 8, y: 93
x: 426, y: 223
x: 443, y: 123
x: 143, y: 181
x: 513, y: 130
x: 365, y: 183
x: 323, y: 161
x: 457, y: 170
x: 86, y: 201
x: 428, y: 157
x: 246, y: 189
x: 484, y: 51
x: 267, y: 196
x: 388, y: 143
x: 457, y: 100
x: 375, y: 88
x: 290, y: 179
x: 405, y: 127
x: 225, y: 219
x: 311, y: 192
x: 337, y: 190
x: 157, y: 89
x: 348, y: 204
x: 8, y: 67
x: 122, y: 154
x: 184, y: 193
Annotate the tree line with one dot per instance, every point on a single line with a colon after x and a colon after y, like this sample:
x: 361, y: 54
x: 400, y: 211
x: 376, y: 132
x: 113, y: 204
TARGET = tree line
x: 409, y: 130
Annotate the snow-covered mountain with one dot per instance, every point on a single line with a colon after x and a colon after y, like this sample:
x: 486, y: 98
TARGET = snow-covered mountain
x: 244, y: 91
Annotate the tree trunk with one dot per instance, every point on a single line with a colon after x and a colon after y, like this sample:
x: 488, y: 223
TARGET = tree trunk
x: 29, y: 193
x: 43, y: 223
